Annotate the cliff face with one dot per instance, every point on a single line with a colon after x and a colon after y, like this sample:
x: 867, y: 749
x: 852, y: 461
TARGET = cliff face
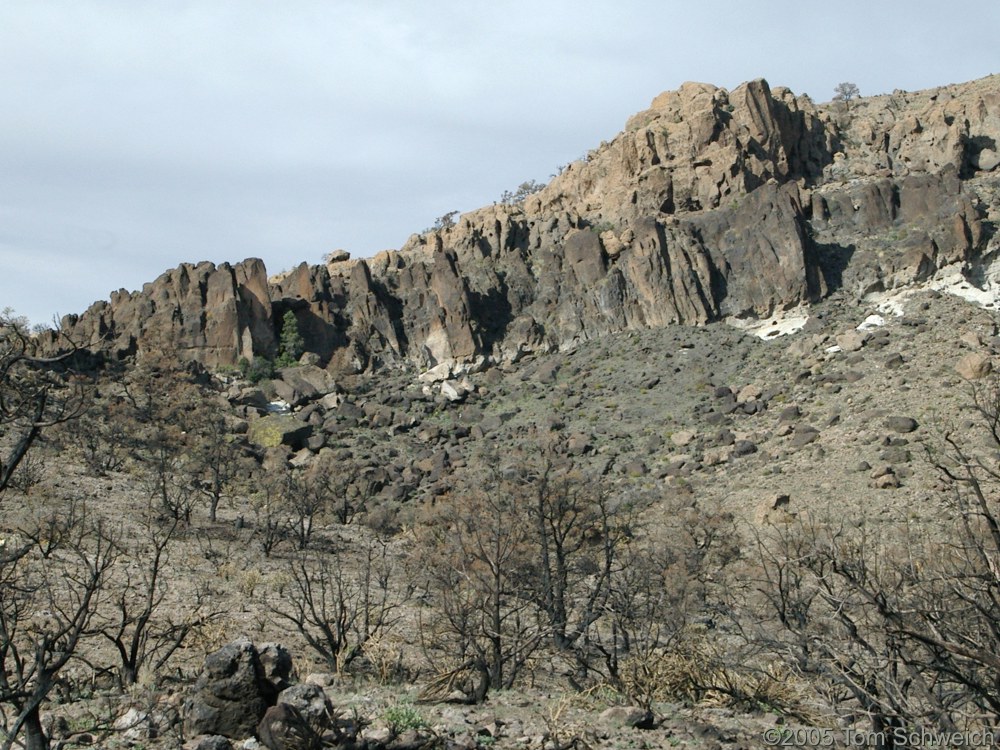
x: 709, y: 204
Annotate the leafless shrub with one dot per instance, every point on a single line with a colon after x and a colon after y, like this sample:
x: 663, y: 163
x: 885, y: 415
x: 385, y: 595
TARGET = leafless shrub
x: 35, y: 394
x: 46, y: 608
x: 135, y: 618
x: 340, y: 603
x: 483, y: 625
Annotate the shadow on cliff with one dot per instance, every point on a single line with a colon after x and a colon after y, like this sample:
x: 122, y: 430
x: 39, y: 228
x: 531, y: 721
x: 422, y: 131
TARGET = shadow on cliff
x: 492, y: 311
x: 832, y: 260
x: 319, y: 335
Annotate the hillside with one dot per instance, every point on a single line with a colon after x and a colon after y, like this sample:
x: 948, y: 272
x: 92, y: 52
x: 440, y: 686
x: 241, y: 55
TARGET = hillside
x: 693, y: 446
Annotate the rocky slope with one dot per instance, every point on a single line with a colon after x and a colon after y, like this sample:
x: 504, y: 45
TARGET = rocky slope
x: 709, y: 204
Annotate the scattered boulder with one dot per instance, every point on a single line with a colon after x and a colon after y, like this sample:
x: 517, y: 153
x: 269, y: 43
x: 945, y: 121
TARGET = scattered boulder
x: 578, y: 444
x: 683, y: 437
x: 439, y: 372
x: 310, y: 701
x: 894, y: 361
x: 887, y: 482
x: 790, y: 413
x: 135, y: 725
x: 901, y: 424
x: 252, y: 397
x: 547, y: 372
x: 453, y: 391
x: 636, y: 468
x: 851, y: 341
x: 974, y: 366
x: 803, y: 435
x: 276, y: 661
x: 304, y: 383
x: 231, y: 694
x: 283, y: 727
x: 971, y: 339
x: 986, y: 160
x: 279, y: 429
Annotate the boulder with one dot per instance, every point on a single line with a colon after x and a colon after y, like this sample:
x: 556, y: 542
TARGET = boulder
x: 283, y: 728
x: 439, y: 372
x: 276, y: 661
x: 986, y: 160
x: 309, y: 379
x: 337, y: 256
x: 790, y: 413
x: 627, y: 716
x: 453, y: 391
x: 682, y: 438
x: 231, y: 695
x: 901, y: 424
x: 779, y: 501
x: 279, y: 429
x: 310, y: 701
x: 974, y: 366
x: 135, y: 725
x: 851, y: 341
x: 803, y: 435
x: 301, y: 384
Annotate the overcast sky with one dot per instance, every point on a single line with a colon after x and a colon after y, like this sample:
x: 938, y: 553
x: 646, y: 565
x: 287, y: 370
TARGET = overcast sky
x: 138, y: 135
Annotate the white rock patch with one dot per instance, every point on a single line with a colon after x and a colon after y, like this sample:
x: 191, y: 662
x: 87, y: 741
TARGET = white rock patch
x: 780, y: 324
x: 949, y: 280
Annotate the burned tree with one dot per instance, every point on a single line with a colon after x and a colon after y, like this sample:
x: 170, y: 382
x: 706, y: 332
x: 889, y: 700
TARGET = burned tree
x: 35, y: 393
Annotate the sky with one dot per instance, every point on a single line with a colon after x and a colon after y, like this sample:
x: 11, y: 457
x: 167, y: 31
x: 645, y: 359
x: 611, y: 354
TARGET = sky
x: 135, y: 136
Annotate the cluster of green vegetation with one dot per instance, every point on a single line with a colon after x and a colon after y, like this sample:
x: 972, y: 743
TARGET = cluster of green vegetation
x: 291, y: 346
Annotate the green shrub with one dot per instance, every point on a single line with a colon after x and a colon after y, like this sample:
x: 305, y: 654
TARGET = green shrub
x: 401, y: 718
x: 260, y: 369
x: 290, y: 344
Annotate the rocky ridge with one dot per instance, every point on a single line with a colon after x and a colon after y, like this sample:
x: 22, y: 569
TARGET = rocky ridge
x: 709, y: 204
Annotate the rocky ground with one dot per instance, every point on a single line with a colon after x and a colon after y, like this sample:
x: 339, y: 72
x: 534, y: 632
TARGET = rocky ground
x: 828, y: 412
x: 835, y: 417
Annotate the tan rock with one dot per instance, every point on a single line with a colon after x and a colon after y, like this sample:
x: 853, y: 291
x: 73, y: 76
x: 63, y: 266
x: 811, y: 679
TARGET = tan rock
x: 986, y: 160
x: 971, y: 339
x: 682, y: 438
x: 851, y: 341
x: 887, y: 482
x: 974, y: 366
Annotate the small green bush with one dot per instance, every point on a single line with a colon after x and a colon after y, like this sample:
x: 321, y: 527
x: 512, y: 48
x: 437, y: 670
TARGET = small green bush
x: 260, y: 369
x: 401, y: 718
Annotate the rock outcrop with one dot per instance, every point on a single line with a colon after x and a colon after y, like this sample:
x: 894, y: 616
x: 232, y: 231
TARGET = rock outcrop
x: 711, y: 203
x: 211, y: 314
x: 231, y: 694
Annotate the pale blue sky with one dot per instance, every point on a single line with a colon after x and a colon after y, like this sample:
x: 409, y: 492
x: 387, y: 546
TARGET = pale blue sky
x: 138, y: 135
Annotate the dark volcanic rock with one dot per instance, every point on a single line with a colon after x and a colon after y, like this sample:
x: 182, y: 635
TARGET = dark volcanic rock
x: 231, y: 695
x: 901, y: 424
